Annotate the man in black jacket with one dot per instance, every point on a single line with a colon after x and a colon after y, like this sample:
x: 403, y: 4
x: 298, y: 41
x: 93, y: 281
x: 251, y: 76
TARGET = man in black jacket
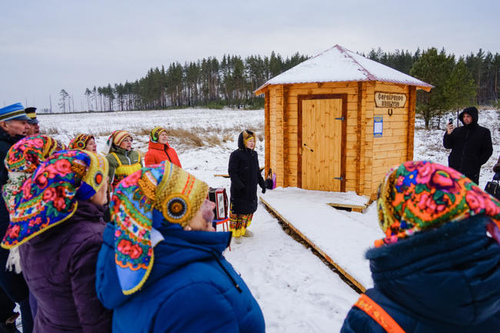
x: 13, y: 127
x: 470, y: 144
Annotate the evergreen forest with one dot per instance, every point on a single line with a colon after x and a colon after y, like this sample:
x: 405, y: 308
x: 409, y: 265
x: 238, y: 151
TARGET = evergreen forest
x: 231, y: 81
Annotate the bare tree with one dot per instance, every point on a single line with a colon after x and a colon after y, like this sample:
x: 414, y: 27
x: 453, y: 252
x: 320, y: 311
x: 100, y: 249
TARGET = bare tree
x: 62, y: 101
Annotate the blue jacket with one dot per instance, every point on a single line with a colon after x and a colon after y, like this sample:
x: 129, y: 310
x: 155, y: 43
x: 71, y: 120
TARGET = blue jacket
x: 445, y: 280
x: 192, y: 288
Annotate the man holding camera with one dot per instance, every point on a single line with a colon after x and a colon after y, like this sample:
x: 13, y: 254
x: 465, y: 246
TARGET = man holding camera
x: 470, y: 144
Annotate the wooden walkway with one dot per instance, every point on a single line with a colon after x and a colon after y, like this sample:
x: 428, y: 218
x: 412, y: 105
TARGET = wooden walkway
x: 340, y: 236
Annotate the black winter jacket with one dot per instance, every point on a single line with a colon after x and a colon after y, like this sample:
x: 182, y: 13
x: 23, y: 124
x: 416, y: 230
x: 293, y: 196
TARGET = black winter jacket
x: 6, y: 141
x: 17, y: 288
x: 442, y: 280
x: 470, y: 146
x: 245, y: 176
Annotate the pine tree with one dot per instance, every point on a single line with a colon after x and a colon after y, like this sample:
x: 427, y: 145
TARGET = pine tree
x: 460, y: 89
x: 434, y: 68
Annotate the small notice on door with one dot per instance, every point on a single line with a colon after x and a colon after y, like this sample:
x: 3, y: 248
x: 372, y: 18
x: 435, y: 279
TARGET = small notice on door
x: 378, y: 126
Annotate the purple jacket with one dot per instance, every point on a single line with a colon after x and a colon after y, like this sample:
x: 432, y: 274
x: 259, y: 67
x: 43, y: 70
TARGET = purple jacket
x: 59, y: 266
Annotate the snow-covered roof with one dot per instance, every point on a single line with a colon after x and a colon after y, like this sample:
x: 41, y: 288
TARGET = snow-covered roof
x: 338, y: 64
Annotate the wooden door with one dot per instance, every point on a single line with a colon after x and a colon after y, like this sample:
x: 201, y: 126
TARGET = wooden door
x: 322, y: 144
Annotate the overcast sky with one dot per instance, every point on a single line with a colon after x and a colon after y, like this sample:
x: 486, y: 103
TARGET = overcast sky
x: 49, y: 45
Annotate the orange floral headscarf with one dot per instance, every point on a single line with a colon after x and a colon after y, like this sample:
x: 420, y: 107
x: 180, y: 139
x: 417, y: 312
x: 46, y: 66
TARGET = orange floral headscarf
x: 421, y: 195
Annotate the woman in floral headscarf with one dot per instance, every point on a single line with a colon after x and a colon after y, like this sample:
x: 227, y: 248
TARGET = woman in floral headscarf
x: 161, y: 266
x: 159, y: 149
x: 438, y: 268
x: 58, y: 220
x: 83, y: 142
x: 22, y: 160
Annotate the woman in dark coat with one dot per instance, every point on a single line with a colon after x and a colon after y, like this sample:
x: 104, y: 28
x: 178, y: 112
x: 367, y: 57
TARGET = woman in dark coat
x: 245, y: 175
x: 58, y: 222
x: 438, y: 269
x: 22, y: 159
x: 161, y: 266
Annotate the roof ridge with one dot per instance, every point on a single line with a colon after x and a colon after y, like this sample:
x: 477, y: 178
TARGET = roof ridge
x: 347, y: 53
x: 338, y: 64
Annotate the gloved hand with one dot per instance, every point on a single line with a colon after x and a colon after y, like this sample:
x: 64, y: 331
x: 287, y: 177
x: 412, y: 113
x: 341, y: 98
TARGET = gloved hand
x: 496, y: 176
x: 263, y: 190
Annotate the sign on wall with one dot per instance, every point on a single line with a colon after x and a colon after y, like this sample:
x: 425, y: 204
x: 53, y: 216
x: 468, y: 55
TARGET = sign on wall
x: 378, y: 126
x: 390, y: 100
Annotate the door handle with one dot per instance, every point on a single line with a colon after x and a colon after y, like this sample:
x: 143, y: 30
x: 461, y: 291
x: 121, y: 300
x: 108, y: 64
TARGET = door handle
x: 308, y: 148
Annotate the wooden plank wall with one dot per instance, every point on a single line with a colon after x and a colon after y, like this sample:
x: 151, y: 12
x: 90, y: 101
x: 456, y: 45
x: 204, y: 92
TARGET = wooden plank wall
x: 392, y: 148
x: 276, y: 133
x: 364, y: 152
x: 367, y: 158
x: 412, y: 100
x: 267, y: 132
x: 360, y: 159
x: 288, y: 127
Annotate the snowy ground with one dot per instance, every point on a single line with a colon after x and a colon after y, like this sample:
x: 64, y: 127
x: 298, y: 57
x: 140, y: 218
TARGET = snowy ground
x: 296, y: 290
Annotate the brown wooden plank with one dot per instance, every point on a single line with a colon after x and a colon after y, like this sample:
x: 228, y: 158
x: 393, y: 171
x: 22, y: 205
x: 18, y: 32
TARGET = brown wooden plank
x: 352, y: 207
x: 391, y: 87
x: 412, y: 101
x: 314, y: 246
x: 286, y: 148
x: 267, y: 131
x: 221, y: 175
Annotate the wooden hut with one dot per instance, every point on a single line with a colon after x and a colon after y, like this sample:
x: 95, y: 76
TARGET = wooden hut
x: 338, y: 122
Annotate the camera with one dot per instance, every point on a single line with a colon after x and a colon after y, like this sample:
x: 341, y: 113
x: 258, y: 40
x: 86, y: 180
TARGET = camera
x: 450, y: 121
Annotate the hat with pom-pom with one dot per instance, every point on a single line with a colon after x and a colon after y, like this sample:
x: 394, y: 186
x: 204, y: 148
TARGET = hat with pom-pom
x: 115, y: 139
x: 420, y: 195
x: 164, y: 195
x: 118, y: 136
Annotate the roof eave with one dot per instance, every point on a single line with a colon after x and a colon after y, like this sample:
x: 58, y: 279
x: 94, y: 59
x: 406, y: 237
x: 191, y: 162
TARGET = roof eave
x: 262, y: 89
x: 425, y: 88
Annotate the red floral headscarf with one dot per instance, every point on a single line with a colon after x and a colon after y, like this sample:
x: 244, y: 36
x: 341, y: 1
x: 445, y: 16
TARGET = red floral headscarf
x: 421, y: 195
x: 49, y: 197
